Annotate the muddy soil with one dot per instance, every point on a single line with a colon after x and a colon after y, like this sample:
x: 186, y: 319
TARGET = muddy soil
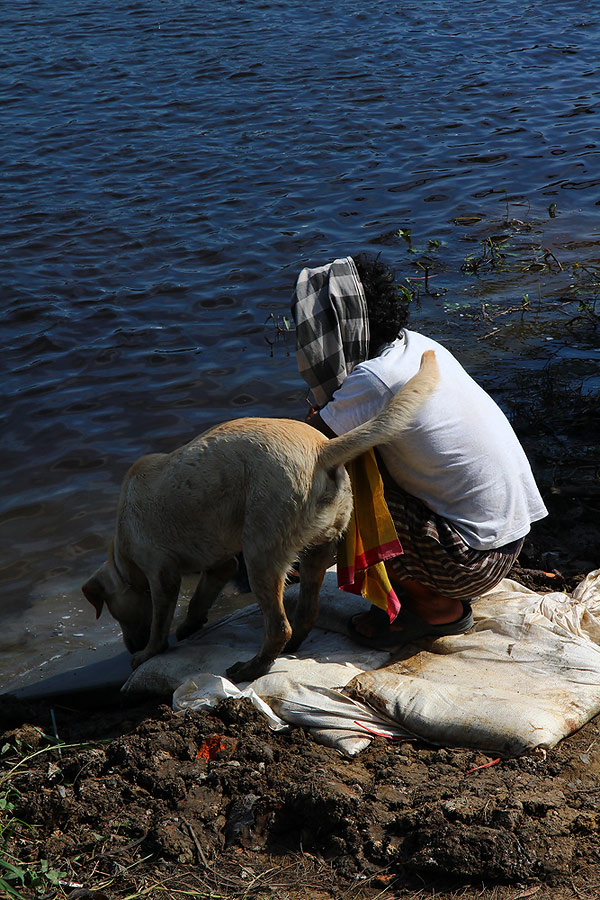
x: 139, y: 801
x: 147, y: 800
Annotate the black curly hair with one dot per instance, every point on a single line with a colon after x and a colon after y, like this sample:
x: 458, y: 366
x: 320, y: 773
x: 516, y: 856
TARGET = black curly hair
x: 388, y: 313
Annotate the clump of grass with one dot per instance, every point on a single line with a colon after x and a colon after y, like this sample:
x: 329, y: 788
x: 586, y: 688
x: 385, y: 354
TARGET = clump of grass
x: 18, y: 874
x: 12, y: 871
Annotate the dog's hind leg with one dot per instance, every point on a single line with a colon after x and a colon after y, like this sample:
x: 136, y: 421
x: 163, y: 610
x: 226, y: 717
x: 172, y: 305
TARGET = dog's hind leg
x: 210, y: 585
x: 313, y: 564
x: 267, y: 582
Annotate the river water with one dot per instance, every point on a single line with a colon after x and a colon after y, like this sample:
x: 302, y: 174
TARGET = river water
x: 168, y: 168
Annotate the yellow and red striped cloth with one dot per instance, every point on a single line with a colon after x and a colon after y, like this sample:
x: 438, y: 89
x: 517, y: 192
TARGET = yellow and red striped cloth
x: 369, y: 540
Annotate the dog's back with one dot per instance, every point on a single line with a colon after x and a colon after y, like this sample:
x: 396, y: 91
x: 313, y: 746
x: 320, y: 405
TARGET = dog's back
x: 203, y: 500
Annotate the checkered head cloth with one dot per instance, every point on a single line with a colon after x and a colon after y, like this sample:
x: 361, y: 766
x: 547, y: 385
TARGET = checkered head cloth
x: 332, y: 326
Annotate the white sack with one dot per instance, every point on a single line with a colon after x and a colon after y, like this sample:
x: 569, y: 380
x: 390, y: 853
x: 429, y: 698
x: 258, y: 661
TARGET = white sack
x: 527, y: 675
x: 327, y: 658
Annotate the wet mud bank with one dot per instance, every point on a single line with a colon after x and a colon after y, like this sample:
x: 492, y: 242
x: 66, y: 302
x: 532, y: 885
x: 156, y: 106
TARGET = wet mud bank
x: 559, y: 425
x: 141, y: 799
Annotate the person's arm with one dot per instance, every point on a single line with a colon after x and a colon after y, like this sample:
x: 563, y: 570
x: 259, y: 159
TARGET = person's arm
x: 361, y: 396
x: 314, y: 419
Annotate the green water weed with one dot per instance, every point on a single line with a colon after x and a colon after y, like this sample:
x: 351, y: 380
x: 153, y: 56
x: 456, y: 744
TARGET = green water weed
x: 281, y: 327
x: 586, y: 290
x: 409, y: 291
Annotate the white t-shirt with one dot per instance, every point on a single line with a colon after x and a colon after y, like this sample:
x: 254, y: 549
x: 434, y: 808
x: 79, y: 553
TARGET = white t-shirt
x: 460, y: 455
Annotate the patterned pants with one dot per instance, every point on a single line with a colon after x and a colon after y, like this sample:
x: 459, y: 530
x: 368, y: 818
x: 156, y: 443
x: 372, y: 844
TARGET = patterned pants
x: 436, y: 555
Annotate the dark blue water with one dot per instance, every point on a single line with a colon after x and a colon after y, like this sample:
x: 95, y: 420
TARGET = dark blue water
x: 168, y: 167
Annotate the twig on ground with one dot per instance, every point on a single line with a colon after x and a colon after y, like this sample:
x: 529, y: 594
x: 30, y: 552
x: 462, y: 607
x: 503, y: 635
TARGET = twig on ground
x: 527, y: 893
x: 55, y: 730
x: 120, y: 850
x: 201, y: 853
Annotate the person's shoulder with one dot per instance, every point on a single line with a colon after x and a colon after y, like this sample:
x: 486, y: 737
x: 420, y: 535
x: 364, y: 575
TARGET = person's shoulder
x: 394, y: 351
x: 388, y: 366
x: 400, y: 360
x: 417, y: 344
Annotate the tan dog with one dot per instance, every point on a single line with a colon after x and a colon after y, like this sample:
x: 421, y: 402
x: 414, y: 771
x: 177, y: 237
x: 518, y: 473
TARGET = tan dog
x: 268, y: 487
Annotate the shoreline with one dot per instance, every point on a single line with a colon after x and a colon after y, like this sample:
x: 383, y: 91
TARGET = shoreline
x: 119, y: 797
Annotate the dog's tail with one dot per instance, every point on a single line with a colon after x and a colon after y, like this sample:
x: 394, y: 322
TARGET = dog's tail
x: 389, y: 423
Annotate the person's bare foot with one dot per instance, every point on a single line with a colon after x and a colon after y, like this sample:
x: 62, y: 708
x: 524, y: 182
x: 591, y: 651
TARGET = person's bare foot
x: 427, y: 603
x: 417, y: 600
x: 374, y: 621
x: 371, y: 622
x: 372, y: 628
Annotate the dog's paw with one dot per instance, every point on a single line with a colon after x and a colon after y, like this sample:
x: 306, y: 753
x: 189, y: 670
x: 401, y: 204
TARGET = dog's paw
x: 246, y: 671
x: 138, y: 658
x: 147, y: 653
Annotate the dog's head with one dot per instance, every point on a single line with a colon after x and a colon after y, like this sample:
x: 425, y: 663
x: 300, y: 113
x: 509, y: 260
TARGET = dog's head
x: 130, y: 606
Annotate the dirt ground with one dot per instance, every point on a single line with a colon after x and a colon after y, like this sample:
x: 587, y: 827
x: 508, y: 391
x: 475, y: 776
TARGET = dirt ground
x: 139, y: 801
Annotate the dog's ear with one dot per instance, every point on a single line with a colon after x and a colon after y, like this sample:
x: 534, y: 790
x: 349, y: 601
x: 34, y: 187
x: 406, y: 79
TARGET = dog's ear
x: 93, y: 590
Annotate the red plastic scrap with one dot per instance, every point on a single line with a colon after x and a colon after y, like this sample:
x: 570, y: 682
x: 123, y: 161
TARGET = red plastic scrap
x: 211, y: 747
x: 486, y: 765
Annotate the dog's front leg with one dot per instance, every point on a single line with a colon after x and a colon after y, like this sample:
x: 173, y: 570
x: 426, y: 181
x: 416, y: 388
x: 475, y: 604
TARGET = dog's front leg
x: 268, y: 590
x: 313, y: 565
x: 164, y: 588
x: 209, y: 587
